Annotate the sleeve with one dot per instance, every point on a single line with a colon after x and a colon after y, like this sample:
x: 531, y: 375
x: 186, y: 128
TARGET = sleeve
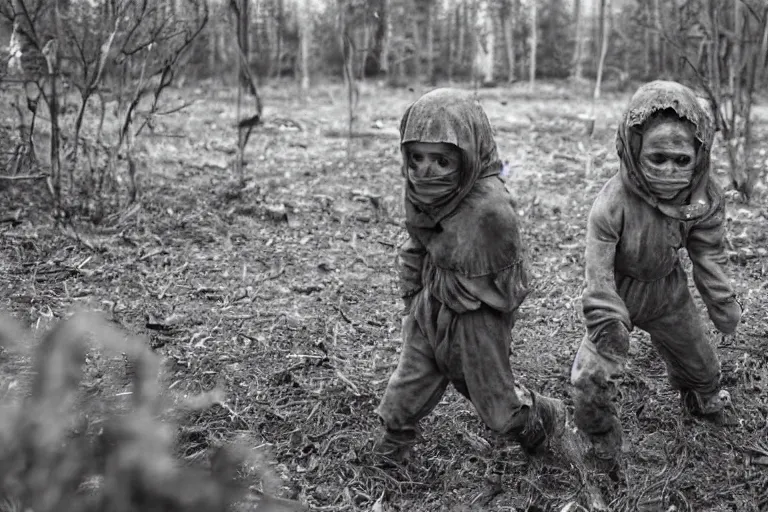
x: 410, y: 261
x: 602, y: 306
x: 706, y: 249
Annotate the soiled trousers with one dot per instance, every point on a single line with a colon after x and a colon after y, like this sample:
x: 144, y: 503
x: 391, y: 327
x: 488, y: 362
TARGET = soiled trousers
x: 664, y: 309
x: 470, y: 350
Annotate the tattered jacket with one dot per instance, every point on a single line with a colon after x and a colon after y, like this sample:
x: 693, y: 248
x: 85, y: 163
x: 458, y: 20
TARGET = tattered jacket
x: 468, y: 253
x: 631, y: 233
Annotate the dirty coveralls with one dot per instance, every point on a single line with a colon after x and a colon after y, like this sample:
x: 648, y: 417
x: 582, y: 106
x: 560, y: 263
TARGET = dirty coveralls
x: 634, y: 275
x: 462, y: 276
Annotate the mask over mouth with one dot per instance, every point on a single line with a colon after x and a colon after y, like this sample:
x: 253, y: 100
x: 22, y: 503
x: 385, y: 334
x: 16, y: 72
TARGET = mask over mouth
x: 667, y: 188
x: 431, y: 191
x: 448, y: 116
x: 681, y: 194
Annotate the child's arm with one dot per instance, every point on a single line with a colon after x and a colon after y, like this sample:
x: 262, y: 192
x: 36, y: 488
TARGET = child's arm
x: 409, y: 262
x: 605, y: 313
x: 707, y: 252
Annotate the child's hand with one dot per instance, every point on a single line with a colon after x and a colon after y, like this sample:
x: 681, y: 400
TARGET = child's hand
x: 614, y: 340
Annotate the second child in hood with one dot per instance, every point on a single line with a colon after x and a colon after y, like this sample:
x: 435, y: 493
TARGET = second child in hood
x: 662, y: 200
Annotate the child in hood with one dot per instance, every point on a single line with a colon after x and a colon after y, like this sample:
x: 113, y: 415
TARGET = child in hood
x: 661, y: 200
x: 462, y: 275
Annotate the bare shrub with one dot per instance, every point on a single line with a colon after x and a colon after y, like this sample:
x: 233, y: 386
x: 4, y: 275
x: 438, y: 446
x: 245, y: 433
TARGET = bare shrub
x: 124, y: 54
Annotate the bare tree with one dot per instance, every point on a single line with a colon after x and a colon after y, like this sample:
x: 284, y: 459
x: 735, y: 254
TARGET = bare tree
x: 462, y: 17
x: 729, y: 63
x: 534, y: 43
x: 483, y: 58
x: 347, y: 47
x: 605, y: 5
x: 279, y: 27
x: 508, y: 13
x: 382, y: 35
x: 242, y: 11
x: 578, y: 52
x: 136, y: 46
x: 429, y: 17
x: 656, y: 39
x: 305, y: 41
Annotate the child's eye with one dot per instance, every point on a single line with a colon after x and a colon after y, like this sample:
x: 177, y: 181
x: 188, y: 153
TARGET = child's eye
x: 417, y: 157
x: 683, y: 160
x: 658, y: 159
x: 443, y: 162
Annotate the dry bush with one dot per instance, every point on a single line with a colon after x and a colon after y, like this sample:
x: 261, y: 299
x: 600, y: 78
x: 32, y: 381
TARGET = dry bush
x: 56, y: 455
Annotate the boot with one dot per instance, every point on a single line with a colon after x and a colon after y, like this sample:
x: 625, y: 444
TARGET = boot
x: 605, y: 453
x: 710, y: 408
x: 545, y: 415
x: 551, y: 433
x: 550, y: 428
x: 394, y: 445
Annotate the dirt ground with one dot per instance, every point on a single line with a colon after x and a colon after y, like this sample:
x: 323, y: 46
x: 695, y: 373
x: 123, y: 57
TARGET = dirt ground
x: 283, y: 293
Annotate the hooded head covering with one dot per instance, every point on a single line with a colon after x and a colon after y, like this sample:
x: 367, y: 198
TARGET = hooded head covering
x: 699, y: 197
x: 454, y: 117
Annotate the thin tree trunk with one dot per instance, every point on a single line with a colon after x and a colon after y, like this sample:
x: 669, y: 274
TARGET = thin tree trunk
x: 534, y: 44
x: 578, y: 61
x: 364, y: 51
x: 604, y: 33
x: 735, y: 62
x: 445, y: 36
x: 279, y: 37
x: 305, y: 36
x: 490, y: 43
x: 595, y: 46
x: 243, y: 39
x: 509, y: 21
x: 382, y: 37
x: 681, y: 41
x: 647, y: 49
x: 461, y: 25
x: 714, y: 52
x: 430, y: 42
x: 213, y: 47
x: 417, y: 45
x: 657, y: 42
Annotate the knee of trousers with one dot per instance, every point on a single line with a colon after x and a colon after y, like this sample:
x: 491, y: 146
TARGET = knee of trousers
x: 704, y: 379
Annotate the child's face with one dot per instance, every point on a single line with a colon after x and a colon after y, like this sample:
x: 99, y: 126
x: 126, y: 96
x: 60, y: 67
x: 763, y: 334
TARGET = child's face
x: 429, y: 159
x: 669, y: 149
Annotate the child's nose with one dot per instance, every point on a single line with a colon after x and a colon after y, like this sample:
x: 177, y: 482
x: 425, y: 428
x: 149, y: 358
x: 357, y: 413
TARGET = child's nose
x: 670, y: 167
x: 425, y: 166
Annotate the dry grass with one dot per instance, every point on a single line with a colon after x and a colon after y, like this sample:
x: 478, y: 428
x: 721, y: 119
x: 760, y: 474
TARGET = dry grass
x: 282, y: 294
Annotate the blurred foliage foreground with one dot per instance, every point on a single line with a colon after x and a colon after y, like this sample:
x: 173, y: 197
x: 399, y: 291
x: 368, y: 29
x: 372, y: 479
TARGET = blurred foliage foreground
x: 60, y: 450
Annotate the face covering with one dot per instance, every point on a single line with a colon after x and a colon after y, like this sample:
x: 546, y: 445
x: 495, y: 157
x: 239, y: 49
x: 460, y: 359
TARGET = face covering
x: 667, y: 187
x: 667, y: 141
x: 431, y: 191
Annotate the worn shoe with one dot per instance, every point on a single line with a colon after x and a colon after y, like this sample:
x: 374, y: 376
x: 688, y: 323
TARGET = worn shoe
x: 713, y: 408
x: 545, y: 417
x: 550, y: 429
x: 552, y: 435
x: 395, y: 446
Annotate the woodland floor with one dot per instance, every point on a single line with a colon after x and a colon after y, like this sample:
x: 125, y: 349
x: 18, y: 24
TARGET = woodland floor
x: 284, y: 293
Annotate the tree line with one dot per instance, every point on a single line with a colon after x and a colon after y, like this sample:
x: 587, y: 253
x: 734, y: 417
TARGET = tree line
x: 126, y: 53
